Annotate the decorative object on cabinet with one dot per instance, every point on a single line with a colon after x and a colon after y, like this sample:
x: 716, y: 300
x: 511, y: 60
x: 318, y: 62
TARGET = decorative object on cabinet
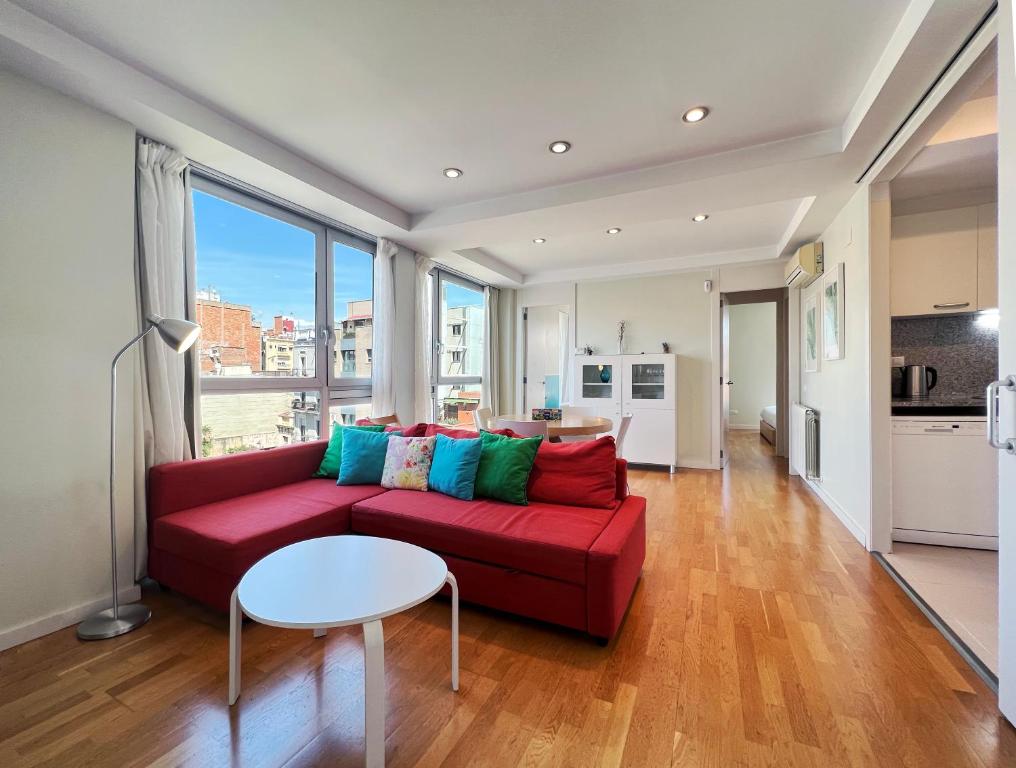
x: 587, y: 350
x: 666, y: 348
x: 620, y: 337
x: 833, y: 314
x: 812, y: 333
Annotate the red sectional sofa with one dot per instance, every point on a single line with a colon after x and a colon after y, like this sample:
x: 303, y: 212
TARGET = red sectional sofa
x: 212, y: 519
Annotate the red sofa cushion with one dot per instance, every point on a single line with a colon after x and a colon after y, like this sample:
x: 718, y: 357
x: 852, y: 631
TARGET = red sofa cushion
x: 438, y: 429
x: 233, y: 534
x: 543, y: 539
x: 582, y: 474
x: 187, y: 484
x: 409, y: 430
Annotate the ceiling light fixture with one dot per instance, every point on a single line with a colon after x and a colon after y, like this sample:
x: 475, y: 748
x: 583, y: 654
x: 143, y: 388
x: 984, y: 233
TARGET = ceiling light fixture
x: 698, y: 218
x: 559, y: 147
x: 452, y: 173
x: 695, y: 114
x: 613, y: 230
x: 539, y: 240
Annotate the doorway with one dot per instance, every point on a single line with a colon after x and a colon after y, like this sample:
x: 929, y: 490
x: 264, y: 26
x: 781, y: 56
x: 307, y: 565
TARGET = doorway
x: 941, y: 514
x: 545, y: 357
x: 755, y: 361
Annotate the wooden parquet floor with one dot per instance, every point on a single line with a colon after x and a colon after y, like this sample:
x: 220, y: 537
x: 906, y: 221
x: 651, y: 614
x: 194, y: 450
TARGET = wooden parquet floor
x: 761, y: 635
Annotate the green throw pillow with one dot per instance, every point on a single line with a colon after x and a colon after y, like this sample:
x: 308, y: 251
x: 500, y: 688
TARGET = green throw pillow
x: 505, y: 464
x: 333, y: 453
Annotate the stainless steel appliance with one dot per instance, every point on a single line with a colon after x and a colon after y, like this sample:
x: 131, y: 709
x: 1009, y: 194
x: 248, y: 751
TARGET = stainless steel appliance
x: 918, y: 381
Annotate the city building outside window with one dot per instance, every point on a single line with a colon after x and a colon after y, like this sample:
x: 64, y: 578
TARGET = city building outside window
x: 277, y: 292
x: 459, y: 349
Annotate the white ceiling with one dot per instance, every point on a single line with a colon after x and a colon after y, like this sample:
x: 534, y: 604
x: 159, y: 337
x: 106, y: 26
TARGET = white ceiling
x: 354, y: 108
x: 954, y: 166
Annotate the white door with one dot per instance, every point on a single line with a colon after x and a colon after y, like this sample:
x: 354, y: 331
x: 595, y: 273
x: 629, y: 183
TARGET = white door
x: 1007, y: 363
x: 546, y: 339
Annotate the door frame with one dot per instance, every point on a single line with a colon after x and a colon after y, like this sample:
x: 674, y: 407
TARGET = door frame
x: 781, y: 297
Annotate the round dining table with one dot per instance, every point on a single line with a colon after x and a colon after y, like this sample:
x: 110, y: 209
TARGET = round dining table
x: 567, y: 426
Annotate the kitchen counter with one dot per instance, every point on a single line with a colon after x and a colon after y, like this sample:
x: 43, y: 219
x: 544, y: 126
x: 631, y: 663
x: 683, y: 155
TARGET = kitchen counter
x: 942, y: 405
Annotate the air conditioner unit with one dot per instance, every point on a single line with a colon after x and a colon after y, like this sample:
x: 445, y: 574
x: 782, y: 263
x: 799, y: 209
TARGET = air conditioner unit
x: 805, y: 266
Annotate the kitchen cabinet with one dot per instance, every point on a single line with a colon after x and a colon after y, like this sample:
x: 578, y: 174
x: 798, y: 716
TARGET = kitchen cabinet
x: 934, y: 262
x: 987, y: 256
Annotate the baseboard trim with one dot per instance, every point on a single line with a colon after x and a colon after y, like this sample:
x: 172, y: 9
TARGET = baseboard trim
x: 841, y: 514
x: 695, y: 464
x: 62, y: 619
x: 744, y: 427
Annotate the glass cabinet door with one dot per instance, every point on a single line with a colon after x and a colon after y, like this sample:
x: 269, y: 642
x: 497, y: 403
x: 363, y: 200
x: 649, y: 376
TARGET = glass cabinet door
x: 647, y: 381
x: 597, y: 381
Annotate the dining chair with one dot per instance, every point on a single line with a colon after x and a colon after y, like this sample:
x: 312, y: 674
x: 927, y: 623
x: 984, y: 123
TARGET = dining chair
x: 525, y: 428
x: 622, y: 430
x: 481, y: 418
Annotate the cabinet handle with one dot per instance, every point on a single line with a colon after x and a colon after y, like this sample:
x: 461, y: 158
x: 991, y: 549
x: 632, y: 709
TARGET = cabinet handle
x: 1007, y: 445
x: 953, y: 305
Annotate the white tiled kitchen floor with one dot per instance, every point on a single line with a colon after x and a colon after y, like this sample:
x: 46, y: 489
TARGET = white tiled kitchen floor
x: 961, y: 585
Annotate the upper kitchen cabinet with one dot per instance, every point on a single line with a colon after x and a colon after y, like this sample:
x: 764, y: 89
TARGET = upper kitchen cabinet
x: 936, y: 261
x: 987, y: 256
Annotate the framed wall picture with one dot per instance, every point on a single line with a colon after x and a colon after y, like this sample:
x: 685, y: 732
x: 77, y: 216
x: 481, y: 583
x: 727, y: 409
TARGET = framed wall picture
x: 833, y: 314
x: 811, y: 333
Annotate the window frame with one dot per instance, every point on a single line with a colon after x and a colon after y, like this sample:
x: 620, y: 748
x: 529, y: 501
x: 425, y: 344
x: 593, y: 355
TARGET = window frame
x: 331, y: 389
x: 439, y: 277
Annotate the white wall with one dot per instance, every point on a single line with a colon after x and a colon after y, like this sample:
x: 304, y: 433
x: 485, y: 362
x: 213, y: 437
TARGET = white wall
x: 752, y: 362
x: 840, y: 390
x: 753, y: 277
x: 671, y: 308
x: 66, y: 305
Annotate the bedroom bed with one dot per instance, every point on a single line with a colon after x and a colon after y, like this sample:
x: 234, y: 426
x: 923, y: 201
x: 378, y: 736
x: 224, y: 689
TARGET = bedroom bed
x: 767, y: 424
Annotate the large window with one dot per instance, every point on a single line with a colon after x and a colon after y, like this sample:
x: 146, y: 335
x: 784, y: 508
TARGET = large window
x: 279, y: 295
x: 458, y: 349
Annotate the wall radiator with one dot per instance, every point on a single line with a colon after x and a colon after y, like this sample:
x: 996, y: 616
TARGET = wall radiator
x: 805, y: 457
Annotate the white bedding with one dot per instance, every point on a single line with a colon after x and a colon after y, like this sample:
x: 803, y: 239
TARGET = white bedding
x: 768, y: 415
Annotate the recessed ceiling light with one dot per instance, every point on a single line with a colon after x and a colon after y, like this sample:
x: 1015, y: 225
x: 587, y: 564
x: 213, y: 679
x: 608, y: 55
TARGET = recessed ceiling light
x: 452, y: 173
x: 559, y: 147
x: 539, y: 240
x: 613, y: 230
x: 698, y: 218
x: 695, y: 114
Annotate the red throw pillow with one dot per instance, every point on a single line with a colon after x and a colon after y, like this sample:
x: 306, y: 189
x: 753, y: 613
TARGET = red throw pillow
x: 582, y: 474
x: 413, y: 430
x: 438, y: 429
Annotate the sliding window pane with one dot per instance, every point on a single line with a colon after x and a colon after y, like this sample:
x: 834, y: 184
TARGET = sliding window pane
x: 347, y: 415
x: 354, y: 312
x: 236, y: 423
x: 461, y: 328
x: 256, y: 291
x: 456, y: 403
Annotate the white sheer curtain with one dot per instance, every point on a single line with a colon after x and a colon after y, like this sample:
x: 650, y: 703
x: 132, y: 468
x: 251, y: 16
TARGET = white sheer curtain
x: 383, y: 362
x: 165, y: 286
x: 490, y: 396
x: 424, y: 343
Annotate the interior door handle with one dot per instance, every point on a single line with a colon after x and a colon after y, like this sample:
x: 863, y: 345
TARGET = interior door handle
x: 1008, y: 444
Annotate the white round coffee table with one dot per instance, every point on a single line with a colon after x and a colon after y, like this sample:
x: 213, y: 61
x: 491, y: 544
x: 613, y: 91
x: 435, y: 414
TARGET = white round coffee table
x: 337, y: 581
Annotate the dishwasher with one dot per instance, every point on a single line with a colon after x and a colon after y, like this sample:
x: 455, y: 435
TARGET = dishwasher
x: 945, y: 482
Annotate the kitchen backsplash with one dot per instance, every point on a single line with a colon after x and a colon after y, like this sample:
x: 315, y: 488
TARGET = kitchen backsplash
x: 962, y: 350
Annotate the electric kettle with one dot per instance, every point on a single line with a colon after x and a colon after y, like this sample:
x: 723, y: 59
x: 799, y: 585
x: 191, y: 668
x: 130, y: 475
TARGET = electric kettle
x: 918, y: 381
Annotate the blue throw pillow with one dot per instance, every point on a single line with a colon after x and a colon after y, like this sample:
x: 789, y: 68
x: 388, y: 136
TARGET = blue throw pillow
x: 363, y: 457
x: 453, y: 468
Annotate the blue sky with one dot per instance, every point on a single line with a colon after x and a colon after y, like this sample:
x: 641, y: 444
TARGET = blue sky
x: 269, y: 264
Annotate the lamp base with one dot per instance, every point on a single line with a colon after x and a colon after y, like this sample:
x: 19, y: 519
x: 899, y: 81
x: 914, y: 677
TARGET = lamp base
x: 102, y: 625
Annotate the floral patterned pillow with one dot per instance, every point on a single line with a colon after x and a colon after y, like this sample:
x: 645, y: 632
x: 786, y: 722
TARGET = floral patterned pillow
x: 407, y: 463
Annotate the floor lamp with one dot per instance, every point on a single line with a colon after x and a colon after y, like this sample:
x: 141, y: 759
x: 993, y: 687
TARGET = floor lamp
x: 180, y: 335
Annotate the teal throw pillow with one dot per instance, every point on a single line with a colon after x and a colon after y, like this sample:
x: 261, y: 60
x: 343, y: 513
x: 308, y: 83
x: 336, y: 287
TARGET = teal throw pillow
x: 505, y: 464
x: 333, y: 453
x: 453, y: 468
x: 363, y: 457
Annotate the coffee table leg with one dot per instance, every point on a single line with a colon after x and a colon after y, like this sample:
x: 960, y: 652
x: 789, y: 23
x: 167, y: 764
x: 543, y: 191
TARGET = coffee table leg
x: 455, y: 630
x: 374, y: 699
x: 235, y: 626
